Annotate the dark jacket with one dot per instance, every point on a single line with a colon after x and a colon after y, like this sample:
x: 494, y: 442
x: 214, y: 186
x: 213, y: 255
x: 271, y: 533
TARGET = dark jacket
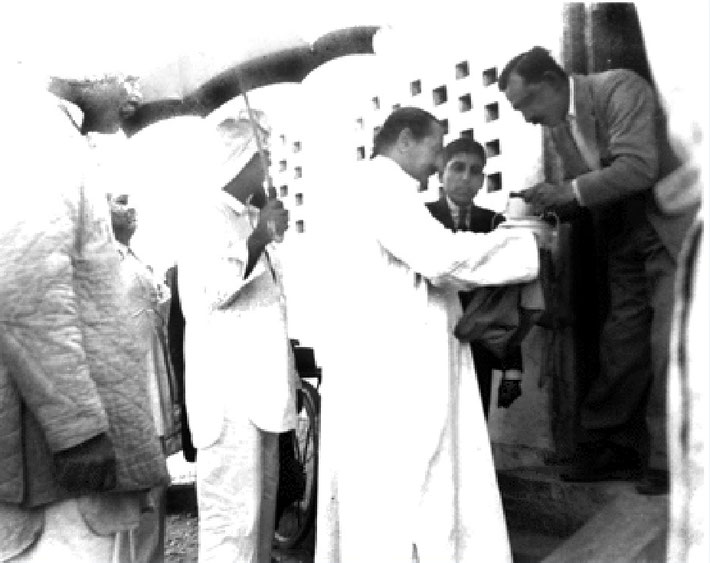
x: 480, y: 221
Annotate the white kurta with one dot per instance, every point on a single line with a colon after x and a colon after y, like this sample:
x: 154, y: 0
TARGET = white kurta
x: 405, y: 455
x: 237, y: 352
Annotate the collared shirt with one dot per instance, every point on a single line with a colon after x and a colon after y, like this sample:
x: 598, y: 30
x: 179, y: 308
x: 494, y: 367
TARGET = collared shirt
x: 455, y: 210
x: 579, y: 140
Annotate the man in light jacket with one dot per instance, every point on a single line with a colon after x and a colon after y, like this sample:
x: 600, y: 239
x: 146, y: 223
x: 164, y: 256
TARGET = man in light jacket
x: 77, y: 439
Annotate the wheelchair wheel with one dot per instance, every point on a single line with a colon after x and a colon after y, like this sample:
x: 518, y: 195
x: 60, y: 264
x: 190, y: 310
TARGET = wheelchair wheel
x: 296, y: 511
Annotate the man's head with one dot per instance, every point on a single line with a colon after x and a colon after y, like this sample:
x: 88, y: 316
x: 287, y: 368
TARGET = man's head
x: 105, y: 101
x: 462, y: 173
x: 123, y: 217
x: 413, y: 138
x: 241, y: 171
x: 537, y: 87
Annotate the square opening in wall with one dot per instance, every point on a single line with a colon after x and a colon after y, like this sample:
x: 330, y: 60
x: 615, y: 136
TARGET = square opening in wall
x: 361, y: 153
x: 445, y: 123
x: 396, y: 106
x: 415, y: 87
x: 465, y: 103
x: 283, y: 191
x: 297, y: 146
x: 462, y: 70
x: 282, y: 165
x: 439, y: 95
x: 493, y: 148
x: 299, y: 199
x: 283, y: 139
x: 494, y: 182
x: 491, y: 112
x: 359, y: 123
x: 490, y: 76
x: 467, y: 134
x: 297, y: 172
x: 300, y: 226
x: 376, y: 102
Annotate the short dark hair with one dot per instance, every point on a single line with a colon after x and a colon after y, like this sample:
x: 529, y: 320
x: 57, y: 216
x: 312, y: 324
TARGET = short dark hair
x: 417, y: 120
x: 464, y: 145
x: 532, y: 66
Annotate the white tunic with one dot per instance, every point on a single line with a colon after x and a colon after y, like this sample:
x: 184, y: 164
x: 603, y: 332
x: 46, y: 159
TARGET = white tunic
x: 405, y: 454
x: 237, y: 353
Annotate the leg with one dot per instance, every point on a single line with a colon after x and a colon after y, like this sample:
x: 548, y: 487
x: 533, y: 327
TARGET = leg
x: 614, y: 405
x: 270, y: 485
x: 149, y: 538
x: 483, y: 361
x: 229, y: 494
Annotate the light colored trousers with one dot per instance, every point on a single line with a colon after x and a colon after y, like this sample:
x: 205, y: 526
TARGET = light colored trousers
x: 67, y: 537
x: 237, y: 482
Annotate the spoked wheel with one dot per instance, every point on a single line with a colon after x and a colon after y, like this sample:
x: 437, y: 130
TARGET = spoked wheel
x: 296, y: 502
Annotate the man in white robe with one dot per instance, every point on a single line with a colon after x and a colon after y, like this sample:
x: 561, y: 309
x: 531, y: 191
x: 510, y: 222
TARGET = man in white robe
x: 406, y: 471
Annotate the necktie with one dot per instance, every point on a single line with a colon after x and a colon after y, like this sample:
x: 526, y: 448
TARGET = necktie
x: 463, y: 219
x: 569, y: 151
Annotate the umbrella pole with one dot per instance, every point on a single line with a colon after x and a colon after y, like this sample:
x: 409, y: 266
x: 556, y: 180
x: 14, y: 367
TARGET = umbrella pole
x: 270, y: 190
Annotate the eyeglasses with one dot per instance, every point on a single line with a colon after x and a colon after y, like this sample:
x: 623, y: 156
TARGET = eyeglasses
x: 460, y: 168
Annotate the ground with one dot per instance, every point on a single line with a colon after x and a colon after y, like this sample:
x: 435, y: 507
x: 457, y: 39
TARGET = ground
x: 181, y: 542
x: 181, y: 538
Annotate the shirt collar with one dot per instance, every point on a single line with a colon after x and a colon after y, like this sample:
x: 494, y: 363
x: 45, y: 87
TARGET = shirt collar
x: 571, y: 112
x: 455, y: 206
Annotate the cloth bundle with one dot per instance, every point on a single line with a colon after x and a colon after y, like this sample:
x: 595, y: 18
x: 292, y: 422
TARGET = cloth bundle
x: 499, y: 317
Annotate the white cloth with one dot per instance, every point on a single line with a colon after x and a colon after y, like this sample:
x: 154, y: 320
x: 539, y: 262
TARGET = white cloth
x: 237, y: 352
x: 67, y: 537
x: 405, y: 455
x: 237, y: 482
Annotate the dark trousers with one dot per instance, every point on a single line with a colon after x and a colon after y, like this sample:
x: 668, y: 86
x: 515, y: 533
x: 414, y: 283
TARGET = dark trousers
x: 484, y: 361
x: 626, y: 403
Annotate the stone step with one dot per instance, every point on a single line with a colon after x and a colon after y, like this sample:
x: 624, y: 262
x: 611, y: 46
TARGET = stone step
x: 631, y: 528
x: 552, y: 521
x: 536, y: 499
x: 531, y: 547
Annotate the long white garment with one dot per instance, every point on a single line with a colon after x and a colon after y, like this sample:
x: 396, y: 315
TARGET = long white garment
x: 405, y: 455
x: 237, y: 352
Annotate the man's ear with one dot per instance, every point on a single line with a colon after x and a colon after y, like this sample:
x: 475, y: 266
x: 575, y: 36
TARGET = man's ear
x: 552, y: 78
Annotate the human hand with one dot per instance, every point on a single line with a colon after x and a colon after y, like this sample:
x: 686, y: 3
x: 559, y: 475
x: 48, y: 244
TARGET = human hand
x: 88, y: 467
x: 508, y: 391
x: 544, y: 195
x: 273, y: 219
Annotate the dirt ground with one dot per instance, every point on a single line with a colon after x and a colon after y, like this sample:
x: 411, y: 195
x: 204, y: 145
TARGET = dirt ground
x: 181, y: 542
x: 181, y: 538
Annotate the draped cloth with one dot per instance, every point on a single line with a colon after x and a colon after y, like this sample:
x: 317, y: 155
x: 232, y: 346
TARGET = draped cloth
x: 405, y: 455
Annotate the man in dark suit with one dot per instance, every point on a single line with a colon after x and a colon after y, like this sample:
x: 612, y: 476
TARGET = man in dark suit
x: 609, y: 133
x: 462, y: 178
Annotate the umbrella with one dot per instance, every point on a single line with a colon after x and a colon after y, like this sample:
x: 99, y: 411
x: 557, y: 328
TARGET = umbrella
x: 200, y: 81
x: 203, y: 79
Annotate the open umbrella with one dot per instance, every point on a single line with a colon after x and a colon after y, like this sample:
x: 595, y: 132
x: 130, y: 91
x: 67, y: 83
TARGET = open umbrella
x: 205, y: 77
x: 201, y: 80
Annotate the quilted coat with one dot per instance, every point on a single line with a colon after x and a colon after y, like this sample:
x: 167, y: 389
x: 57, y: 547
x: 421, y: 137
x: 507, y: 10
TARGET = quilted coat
x: 69, y: 366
